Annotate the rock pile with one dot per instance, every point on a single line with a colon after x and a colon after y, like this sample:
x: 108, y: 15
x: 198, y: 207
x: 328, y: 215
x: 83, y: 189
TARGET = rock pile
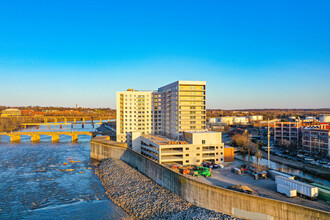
x: 142, y: 198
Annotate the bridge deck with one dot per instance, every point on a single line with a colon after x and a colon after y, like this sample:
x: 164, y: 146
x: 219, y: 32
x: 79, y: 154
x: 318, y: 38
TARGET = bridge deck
x: 29, y: 133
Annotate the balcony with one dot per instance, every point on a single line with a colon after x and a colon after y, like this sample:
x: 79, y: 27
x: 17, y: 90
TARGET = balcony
x: 172, y: 158
x: 172, y: 152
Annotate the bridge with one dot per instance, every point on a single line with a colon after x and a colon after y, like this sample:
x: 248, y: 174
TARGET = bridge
x: 35, y: 135
x: 64, y: 121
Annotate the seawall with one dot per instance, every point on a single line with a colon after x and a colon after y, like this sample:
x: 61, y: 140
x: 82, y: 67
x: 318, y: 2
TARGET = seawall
x: 204, y: 195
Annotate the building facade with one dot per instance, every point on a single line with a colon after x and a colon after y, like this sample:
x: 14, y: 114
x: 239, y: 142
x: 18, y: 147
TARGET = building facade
x: 183, y: 106
x: 134, y: 113
x: 316, y: 141
x: 287, y: 131
x: 11, y: 112
x: 195, y: 148
x: 174, y: 108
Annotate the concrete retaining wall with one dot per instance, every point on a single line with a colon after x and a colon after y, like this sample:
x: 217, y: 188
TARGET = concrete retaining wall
x: 204, y: 195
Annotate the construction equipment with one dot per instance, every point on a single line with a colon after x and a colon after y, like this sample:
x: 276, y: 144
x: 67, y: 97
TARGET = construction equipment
x: 196, y: 173
x: 204, y: 171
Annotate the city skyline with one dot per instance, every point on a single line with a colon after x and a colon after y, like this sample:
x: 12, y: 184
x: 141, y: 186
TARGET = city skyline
x: 258, y: 55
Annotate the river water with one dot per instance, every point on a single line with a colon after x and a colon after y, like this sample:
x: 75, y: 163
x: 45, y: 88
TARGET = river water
x: 284, y: 168
x: 34, y: 186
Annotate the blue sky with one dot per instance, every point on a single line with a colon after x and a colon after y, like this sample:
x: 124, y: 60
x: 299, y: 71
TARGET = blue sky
x: 253, y: 54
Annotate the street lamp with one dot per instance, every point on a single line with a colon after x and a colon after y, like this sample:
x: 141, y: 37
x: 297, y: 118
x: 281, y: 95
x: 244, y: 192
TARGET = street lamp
x: 268, y: 146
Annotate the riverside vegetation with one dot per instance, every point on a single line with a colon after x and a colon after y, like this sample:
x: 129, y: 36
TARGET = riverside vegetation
x: 143, y: 198
x: 9, y: 124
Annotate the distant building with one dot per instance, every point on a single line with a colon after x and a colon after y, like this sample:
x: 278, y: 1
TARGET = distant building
x: 253, y: 118
x: 309, y: 119
x: 325, y: 118
x: 316, y: 140
x: 242, y: 120
x: 213, y: 120
x: 11, y: 112
x: 228, y: 120
x: 232, y: 120
x: 289, y: 131
x: 195, y: 147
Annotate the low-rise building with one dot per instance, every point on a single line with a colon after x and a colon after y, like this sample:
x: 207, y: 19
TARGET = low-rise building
x: 228, y: 120
x: 242, y: 120
x: 288, y: 131
x: 195, y: 148
x: 213, y: 120
x: 11, y: 112
x: 309, y: 119
x: 316, y: 140
x: 253, y: 118
x: 231, y: 120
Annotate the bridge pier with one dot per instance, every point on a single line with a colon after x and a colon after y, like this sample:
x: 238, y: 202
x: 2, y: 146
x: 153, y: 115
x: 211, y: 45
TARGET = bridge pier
x: 45, y: 120
x: 55, y: 120
x: 74, y: 138
x: 65, y: 120
x: 74, y: 120
x: 35, y: 138
x: 55, y: 138
x: 15, y: 138
x: 83, y: 120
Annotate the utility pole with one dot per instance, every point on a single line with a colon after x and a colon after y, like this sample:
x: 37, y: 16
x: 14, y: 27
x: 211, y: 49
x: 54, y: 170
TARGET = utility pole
x: 268, y: 146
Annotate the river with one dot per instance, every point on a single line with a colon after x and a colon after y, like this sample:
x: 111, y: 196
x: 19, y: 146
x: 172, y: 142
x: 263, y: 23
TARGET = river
x: 33, y: 185
x: 284, y: 168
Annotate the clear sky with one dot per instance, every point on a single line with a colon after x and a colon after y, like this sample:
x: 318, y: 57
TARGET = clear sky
x: 252, y: 54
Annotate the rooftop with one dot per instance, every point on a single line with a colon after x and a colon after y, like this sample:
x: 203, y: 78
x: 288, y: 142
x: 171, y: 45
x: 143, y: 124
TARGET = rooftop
x: 198, y: 132
x: 162, y: 140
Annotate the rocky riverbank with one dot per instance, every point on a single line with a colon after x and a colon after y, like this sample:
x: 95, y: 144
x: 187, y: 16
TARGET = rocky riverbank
x: 142, y: 198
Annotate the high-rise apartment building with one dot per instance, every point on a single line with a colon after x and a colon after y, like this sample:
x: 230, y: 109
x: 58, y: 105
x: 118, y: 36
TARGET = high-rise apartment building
x: 183, y: 107
x: 174, y: 108
x: 134, y: 113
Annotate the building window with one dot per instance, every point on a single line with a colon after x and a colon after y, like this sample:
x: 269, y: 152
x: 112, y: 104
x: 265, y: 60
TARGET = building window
x: 221, y: 153
x: 198, y: 148
x: 217, y: 159
x: 203, y: 141
x: 197, y: 160
x: 216, y: 148
x: 221, y: 159
x: 187, y: 161
x: 187, y: 155
x: 197, y: 154
x: 187, y: 148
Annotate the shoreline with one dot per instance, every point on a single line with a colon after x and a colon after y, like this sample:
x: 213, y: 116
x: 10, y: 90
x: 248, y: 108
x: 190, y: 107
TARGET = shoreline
x: 142, y: 198
x: 325, y: 173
